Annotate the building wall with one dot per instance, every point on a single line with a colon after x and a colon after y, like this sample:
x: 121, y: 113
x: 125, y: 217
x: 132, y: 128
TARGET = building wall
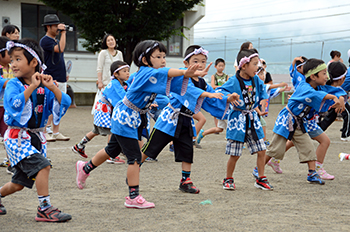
x: 83, y: 75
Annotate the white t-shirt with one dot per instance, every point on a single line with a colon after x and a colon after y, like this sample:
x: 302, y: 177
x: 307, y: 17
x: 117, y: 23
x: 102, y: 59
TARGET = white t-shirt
x: 104, y: 62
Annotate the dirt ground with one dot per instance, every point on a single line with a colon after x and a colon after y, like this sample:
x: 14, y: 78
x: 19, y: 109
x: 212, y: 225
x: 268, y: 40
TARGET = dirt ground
x: 294, y: 205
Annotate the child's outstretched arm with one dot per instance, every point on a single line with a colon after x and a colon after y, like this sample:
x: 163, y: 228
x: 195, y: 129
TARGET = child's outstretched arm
x: 211, y: 95
x: 279, y: 85
x: 190, y: 72
x: 337, y: 105
x: 47, y: 81
x: 233, y: 98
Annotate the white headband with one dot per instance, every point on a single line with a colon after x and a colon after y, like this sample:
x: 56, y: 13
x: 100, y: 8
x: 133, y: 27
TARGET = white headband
x: 196, y: 52
x: 245, y: 59
x: 3, y: 49
x: 301, y: 64
x: 147, y: 51
x: 11, y: 44
x: 121, y: 67
x: 340, y: 77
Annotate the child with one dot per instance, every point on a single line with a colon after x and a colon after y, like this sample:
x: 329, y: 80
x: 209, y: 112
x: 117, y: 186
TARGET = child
x: 337, y: 72
x: 112, y: 94
x: 219, y: 78
x: 243, y: 124
x: 29, y: 100
x: 291, y: 122
x: 296, y: 70
x: 129, y: 116
x: 176, y: 124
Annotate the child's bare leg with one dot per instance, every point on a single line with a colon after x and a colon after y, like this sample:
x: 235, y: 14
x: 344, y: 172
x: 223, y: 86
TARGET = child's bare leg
x: 215, y: 122
x: 186, y: 166
x: 91, y: 135
x: 212, y: 131
x: 264, y: 129
x: 10, y: 188
x: 260, y: 162
x: 322, y: 148
x: 100, y: 157
x: 133, y: 174
x: 231, y: 165
x: 42, y: 181
x: 311, y: 164
x: 289, y: 144
x: 267, y: 159
x: 201, y: 121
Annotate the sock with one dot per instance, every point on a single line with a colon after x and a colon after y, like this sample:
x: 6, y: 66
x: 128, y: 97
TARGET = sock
x: 44, y: 202
x: 55, y: 133
x: 318, y: 165
x: 185, y: 175
x: 89, y: 166
x: 82, y: 143
x: 311, y: 171
x: 133, y: 191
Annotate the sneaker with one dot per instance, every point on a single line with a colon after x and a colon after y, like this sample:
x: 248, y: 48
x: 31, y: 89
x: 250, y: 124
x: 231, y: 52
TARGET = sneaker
x: 343, y: 156
x: 151, y: 160
x: 115, y: 160
x: 324, y: 175
x: 255, y: 173
x: 346, y: 139
x: 51, y: 214
x: 10, y: 170
x: 196, y: 145
x: 275, y: 165
x: 200, y: 136
x: 267, y: 142
x: 139, y: 203
x: 2, y: 209
x: 171, y: 147
x: 5, y: 163
x: 188, y: 187
x: 263, y: 184
x: 49, y: 130
x: 81, y: 175
x: 314, y: 178
x: 229, y: 184
x: 60, y: 137
x: 79, y: 151
x: 49, y: 138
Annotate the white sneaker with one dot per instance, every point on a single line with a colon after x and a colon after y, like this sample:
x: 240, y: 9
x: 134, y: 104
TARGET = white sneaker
x: 48, y: 130
x: 346, y: 139
x: 49, y: 138
x: 60, y: 137
x: 343, y: 156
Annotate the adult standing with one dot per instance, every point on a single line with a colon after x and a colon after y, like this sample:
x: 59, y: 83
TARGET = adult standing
x: 53, y: 55
x: 11, y: 32
x: 245, y: 45
x: 268, y: 78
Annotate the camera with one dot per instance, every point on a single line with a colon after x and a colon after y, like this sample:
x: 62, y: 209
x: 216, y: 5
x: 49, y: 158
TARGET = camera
x: 67, y: 28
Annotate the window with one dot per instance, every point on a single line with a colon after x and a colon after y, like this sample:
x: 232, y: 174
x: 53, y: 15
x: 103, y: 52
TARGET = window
x: 174, y: 43
x: 33, y: 18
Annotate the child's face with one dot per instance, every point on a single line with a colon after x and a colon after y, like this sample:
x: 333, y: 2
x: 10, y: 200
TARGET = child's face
x: 197, y: 59
x: 5, y: 60
x: 20, y: 65
x: 123, y: 74
x: 321, y: 77
x: 252, y: 67
x: 158, y: 59
x: 220, y: 67
x: 300, y: 69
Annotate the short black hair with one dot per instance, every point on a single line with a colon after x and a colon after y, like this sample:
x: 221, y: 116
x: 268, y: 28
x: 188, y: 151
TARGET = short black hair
x: 335, y: 53
x: 116, y: 64
x: 311, y: 64
x: 33, y: 45
x: 298, y: 62
x: 145, y: 49
x: 104, y: 41
x: 335, y: 69
x: 191, y: 49
x: 245, y: 53
x: 9, y: 29
x: 3, y: 41
x: 219, y: 60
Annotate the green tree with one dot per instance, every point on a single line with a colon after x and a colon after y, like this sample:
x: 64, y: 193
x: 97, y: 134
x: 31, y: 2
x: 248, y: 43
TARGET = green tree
x: 130, y: 21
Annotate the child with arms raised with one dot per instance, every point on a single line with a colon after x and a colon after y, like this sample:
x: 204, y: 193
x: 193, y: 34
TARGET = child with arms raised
x: 29, y: 100
x: 129, y: 116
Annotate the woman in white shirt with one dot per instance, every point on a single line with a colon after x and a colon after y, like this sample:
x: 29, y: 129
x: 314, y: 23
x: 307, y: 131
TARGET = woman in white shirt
x: 106, y: 57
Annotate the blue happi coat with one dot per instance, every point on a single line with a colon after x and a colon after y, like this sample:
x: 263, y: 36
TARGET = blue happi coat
x: 236, y: 122
x: 296, y: 76
x: 18, y: 112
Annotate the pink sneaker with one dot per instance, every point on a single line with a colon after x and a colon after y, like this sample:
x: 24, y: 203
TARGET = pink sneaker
x: 81, y: 175
x: 324, y: 175
x: 275, y: 165
x: 139, y: 202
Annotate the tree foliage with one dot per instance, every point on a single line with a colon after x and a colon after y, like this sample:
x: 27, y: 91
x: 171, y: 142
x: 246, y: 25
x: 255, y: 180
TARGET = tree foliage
x: 130, y: 21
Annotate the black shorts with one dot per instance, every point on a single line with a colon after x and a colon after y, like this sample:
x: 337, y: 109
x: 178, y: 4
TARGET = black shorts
x: 28, y: 168
x: 183, y: 146
x: 129, y: 146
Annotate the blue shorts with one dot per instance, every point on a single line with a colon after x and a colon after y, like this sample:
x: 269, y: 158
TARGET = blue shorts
x: 315, y: 133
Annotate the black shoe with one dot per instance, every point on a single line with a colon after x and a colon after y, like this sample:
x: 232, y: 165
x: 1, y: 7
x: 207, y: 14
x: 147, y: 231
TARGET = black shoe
x: 2, y: 209
x: 10, y: 170
x: 188, y: 187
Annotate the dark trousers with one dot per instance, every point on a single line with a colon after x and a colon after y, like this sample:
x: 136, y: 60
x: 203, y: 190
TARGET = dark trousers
x: 332, y: 115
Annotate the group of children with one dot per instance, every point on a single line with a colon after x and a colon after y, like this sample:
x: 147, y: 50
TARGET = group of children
x: 123, y: 113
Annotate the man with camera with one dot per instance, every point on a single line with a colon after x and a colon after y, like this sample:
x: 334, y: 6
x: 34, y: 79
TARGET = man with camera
x: 54, y: 60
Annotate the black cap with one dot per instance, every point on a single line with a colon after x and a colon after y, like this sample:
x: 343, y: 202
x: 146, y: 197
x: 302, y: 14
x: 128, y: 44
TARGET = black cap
x: 51, y: 19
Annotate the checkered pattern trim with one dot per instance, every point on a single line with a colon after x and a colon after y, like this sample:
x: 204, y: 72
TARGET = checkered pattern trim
x: 102, y: 119
x: 235, y: 148
x: 312, y: 125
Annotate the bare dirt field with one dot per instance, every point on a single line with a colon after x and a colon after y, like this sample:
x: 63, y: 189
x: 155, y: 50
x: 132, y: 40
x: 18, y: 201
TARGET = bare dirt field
x: 294, y: 205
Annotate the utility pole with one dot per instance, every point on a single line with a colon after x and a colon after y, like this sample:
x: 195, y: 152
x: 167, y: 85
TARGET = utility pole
x: 322, y: 49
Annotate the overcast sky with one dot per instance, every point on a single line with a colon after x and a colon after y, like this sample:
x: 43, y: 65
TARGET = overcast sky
x: 279, y: 29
